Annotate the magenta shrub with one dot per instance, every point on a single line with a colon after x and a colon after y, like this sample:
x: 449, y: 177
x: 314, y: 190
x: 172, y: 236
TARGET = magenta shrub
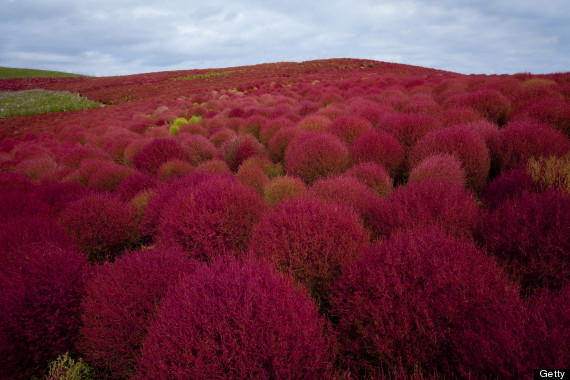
x: 315, y: 123
x: 490, y: 104
x: 236, y: 319
x: 424, y: 304
x: 349, y: 127
x: 14, y: 181
x: 445, y: 167
x: 508, y: 185
x: 238, y: 149
x: 312, y: 155
x: 174, y: 169
x: 102, y: 225
x: 381, y: 148
x: 121, y: 302
x: 279, y: 142
x: 156, y: 153
x: 134, y: 184
x: 429, y: 203
x: 272, y: 126
x: 531, y: 236
x: 372, y: 175
x: 463, y: 142
x: 555, y: 112
x: 252, y: 126
x: 310, y: 239
x: 16, y: 203
x: 408, y: 128
x: 220, y: 136
x: 198, y: 148
x: 253, y: 176
x: 519, y: 141
x: 109, y: 176
x: 369, y: 110
x: 40, y: 313
x: 349, y: 191
x: 212, y: 219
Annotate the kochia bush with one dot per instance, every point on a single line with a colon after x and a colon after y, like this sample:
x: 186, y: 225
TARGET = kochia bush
x: 121, y: 302
x: 379, y: 147
x: 425, y: 304
x: 156, y: 153
x: 238, y: 149
x: 349, y: 127
x: 372, y: 175
x: 310, y: 239
x: 445, y: 167
x: 236, y: 319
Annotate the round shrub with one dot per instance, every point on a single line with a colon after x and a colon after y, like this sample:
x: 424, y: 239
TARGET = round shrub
x: 445, y: 167
x: 550, y: 173
x: 459, y: 116
x: 14, y: 181
x: 109, y: 176
x: 40, y: 314
x: 424, y: 304
x: 133, y: 149
x: 310, y: 239
x: 429, y: 203
x: 237, y: 320
x: 369, y: 110
x: 102, y: 225
x: 508, y: 185
x: 349, y: 127
x: 554, y: 112
x: 252, y: 126
x: 39, y: 169
x: 316, y: 123
x: 271, y: 126
x: 174, y: 168
x: 519, y: 141
x: 531, y: 235
x: 408, y: 128
x: 314, y: 155
x: 198, y: 149
x: 350, y: 192
x: 378, y: 147
x: 120, y: 304
x: 372, y: 175
x: 214, y: 218
x: 16, y: 203
x: 220, y: 136
x: 156, y: 153
x: 213, y: 166
x: 463, y: 142
x: 282, y: 188
x: 491, y: 104
x: 236, y: 150
x: 279, y: 142
x: 253, y: 176
x: 134, y: 184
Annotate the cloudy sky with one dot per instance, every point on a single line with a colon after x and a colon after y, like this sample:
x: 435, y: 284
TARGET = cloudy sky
x: 116, y: 37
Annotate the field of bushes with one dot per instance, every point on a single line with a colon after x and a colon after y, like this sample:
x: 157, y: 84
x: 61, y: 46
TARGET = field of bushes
x: 345, y: 219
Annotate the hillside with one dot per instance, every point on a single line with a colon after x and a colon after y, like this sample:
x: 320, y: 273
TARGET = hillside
x: 339, y: 218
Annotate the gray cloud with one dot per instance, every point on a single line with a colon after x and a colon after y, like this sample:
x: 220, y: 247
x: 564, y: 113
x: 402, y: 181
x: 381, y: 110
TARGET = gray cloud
x: 125, y: 36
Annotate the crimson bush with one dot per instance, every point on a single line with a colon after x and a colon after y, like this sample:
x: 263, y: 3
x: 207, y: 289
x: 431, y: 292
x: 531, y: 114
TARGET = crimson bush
x: 310, y: 239
x: 425, y: 304
x: 121, y: 302
x: 445, y: 167
x: 508, y: 185
x: 279, y: 142
x: 408, y: 128
x: 379, y: 147
x: 198, y: 148
x: 372, y: 175
x: 349, y: 127
x: 157, y: 152
x: 238, y: 149
x: 236, y: 320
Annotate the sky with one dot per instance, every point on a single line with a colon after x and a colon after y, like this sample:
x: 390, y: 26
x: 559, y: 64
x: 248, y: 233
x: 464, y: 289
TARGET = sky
x: 118, y: 37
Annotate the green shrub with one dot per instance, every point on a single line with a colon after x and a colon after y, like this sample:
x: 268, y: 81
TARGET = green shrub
x: 65, y: 368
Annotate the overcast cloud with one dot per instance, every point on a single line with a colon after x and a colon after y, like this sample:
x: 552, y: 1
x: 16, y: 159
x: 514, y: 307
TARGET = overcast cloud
x: 116, y: 37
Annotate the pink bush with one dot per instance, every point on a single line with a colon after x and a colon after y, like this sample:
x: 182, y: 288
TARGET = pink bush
x: 313, y: 155
x: 174, y: 168
x: 554, y: 112
x: 16, y: 203
x: 156, y: 153
x: 531, y: 235
x: 220, y: 136
x: 198, y: 148
x: 445, y: 167
x: 381, y: 148
x: 316, y: 123
x: 369, y: 110
x: 425, y: 304
x: 39, y: 318
x: 508, y: 185
x: 459, y: 116
x: 253, y: 176
x: 101, y: 225
x: 408, y: 128
x: 372, y: 175
x: 272, y: 126
x: 347, y: 128
x: 429, y: 203
x: 252, y: 126
x: 463, y: 142
x: 268, y: 328
x: 121, y: 302
x: 282, y: 188
x: 238, y: 149
x: 108, y: 177
x: 134, y: 184
x: 212, y: 219
x: 490, y: 104
x: 519, y: 141
x: 279, y: 142
x: 310, y: 239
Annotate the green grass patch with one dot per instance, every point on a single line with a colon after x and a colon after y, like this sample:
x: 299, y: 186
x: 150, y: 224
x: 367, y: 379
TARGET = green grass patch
x: 32, y: 102
x: 13, y: 73
x: 209, y: 75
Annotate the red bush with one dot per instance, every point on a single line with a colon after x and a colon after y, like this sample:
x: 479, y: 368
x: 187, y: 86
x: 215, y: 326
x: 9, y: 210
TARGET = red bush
x: 315, y: 123
x: 408, y: 128
x: 347, y: 128
x: 101, y: 225
x: 369, y: 110
x: 519, y: 141
x: 174, y: 168
x: 378, y: 147
x: 212, y: 219
x: 531, y: 235
x: 272, y: 126
x: 236, y: 320
x: 310, y: 239
x: 510, y: 184
x: 313, y: 155
x: 253, y: 176
x: 491, y: 104
x: 156, y: 153
x: 109, y: 176
x: 282, y: 188
x: 445, y: 167
x: 213, y: 166
x: 134, y: 184
x: 238, y: 149
x: 459, y: 116
x: 39, y: 317
x: 252, y: 126
x: 372, y: 175
x: 16, y: 203
x: 463, y: 142
x: 121, y: 302
x: 425, y: 304
x: 279, y: 142
x: 198, y: 148
x: 554, y: 112
x: 429, y: 203
x: 220, y: 136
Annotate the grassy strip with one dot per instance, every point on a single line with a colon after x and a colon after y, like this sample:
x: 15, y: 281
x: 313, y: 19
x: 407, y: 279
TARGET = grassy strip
x: 25, y: 103
x: 13, y: 73
x: 209, y: 75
